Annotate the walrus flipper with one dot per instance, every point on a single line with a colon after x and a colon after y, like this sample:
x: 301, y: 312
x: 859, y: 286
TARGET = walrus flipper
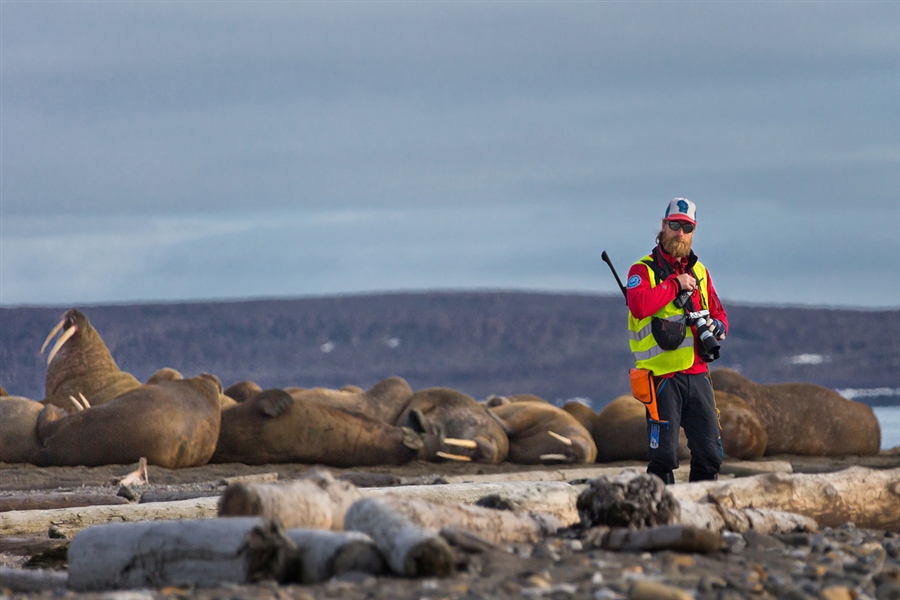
x: 273, y: 402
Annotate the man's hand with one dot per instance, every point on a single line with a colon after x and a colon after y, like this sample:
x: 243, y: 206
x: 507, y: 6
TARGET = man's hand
x: 717, y: 328
x: 687, y: 282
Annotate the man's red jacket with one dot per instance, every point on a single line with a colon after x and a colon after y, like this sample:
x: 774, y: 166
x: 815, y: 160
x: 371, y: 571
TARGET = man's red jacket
x: 644, y: 301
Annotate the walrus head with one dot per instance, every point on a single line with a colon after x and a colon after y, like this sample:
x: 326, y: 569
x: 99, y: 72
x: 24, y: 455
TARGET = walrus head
x: 80, y: 363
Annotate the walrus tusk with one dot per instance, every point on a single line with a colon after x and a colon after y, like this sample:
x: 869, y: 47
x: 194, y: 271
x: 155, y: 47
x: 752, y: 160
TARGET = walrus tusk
x: 553, y: 457
x: 458, y: 457
x: 76, y: 403
x: 62, y: 340
x: 53, y: 332
x: 561, y: 438
x: 84, y: 400
x: 461, y: 443
x: 136, y: 477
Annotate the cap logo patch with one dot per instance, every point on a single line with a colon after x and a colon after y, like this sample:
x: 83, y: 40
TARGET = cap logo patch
x: 682, y: 206
x: 634, y: 281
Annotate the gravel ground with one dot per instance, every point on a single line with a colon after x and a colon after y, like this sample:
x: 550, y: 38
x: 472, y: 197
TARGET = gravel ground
x: 832, y: 564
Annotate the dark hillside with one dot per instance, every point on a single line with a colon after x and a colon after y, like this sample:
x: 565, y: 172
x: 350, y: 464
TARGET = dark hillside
x: 555, y: 345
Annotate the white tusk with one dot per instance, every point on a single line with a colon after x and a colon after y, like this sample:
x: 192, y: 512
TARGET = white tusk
x: 461, y: 443
x: 84, y: 400
x: 553, y: 457
x: 561, y: 438
x: 62, y: 340
x: 458, y: 457
x: 53, y: 332
x: 76, y: 403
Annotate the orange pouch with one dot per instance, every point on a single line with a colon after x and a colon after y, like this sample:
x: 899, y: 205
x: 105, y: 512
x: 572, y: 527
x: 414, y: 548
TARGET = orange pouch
x: 643, y: 389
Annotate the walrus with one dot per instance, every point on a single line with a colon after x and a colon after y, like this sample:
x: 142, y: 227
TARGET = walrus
x: 620, y: 429
x: 172, y: 424
x: 383, y: 402
x: 170, y: 374
x: 18, y: 429
x: 540, y: 432
x: 497, y: 400
x: 80, y: 364
x: 462, y: 428
x: 241, y: 391
x: 274, y: 427
x: 804, y: 418
x: 743, y: 434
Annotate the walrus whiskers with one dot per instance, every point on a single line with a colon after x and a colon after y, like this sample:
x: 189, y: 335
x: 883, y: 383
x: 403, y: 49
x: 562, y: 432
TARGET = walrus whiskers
x: 50, y: 335
x: 561, y: 438
x: 62, y: 340
x: 461, y: 443
x: 553, y: 457
x: 458, y: 457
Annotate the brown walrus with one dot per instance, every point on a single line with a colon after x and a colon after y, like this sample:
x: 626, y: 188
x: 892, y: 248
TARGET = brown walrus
x: 170, y: 374
x: 540, y: 432
x: 18, y: 429
x: 743, y: 434
x: 383, y: 402
x: 804, y: 418
x: 242, y: 390
x: 620, y: 429
x: 80, y: 364
x: 462, y: 428
x: 172, y: 424
x: 274, y: 427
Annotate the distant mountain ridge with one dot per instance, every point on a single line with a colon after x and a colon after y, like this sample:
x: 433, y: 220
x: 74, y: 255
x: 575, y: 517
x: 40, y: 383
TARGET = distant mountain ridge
x: 558, y: 346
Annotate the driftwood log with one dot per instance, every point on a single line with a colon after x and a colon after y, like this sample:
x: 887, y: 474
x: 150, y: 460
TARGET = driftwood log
x: 498, y: 527
x: 410, y: 550
x: 677, y: 538
x: 324, y: 554
x: 869, y: 498
x: 553, y: 498
x: 59, y: 500
x: 317, y: 501
x: 201, y: 553
x: 32, y: 580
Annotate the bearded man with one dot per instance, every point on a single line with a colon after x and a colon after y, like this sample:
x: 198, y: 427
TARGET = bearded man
x: 667, y: 348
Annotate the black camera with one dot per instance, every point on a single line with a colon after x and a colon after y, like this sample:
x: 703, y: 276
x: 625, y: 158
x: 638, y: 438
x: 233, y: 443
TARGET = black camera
x: 699, y: 320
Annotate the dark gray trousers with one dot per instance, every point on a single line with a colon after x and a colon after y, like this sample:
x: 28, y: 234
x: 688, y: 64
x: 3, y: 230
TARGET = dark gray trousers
x: 684, y: 401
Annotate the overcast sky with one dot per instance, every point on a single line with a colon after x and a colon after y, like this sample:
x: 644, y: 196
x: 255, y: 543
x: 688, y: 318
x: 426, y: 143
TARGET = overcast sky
x: 182, y: 151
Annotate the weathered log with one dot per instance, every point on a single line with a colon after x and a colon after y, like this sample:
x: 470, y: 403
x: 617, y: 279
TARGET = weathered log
x: 553, y: 498
x: 175, y: 495
x: 318, y: 501
x: 409, y: 550
x: 712, y: 516
x: 324, y: 554
x: 20, y: 522
x: 677, y: 538
x: 58, y: 500
x: 495, y: 526
x: 869, y: 498
x: 200, y: 553
x: 31, y: 580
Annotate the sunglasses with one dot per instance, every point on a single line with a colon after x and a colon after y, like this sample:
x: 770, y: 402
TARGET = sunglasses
x: 676, y: 225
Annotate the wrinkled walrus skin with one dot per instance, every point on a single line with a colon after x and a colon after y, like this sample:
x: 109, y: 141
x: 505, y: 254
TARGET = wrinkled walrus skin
x: 620, y: 430
x: 273, y: 427
x: 383, y: 401
x: 84, y: 365
x: 805, y: 419
x: 529, y: 425
x: 443, y: 413
x: 18, y: 429
x: 172, y: 424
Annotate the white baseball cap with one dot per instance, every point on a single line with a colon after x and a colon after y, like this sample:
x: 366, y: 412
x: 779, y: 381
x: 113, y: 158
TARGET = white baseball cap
x: 681, y: 209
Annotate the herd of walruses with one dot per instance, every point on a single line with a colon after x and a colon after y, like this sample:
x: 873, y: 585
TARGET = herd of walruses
x: 95, y: 414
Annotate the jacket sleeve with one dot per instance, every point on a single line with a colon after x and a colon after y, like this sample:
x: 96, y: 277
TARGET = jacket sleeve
x: 716, y: 310
x: 644, y: 300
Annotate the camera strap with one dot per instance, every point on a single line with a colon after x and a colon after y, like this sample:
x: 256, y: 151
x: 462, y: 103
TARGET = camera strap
x: 662, y: 269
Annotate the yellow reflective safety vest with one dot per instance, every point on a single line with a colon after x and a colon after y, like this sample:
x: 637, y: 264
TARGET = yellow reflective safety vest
x: 646, y: 352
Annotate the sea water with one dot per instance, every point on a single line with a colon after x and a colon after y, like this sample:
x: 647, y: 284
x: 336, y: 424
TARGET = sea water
x: 889, y: 419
